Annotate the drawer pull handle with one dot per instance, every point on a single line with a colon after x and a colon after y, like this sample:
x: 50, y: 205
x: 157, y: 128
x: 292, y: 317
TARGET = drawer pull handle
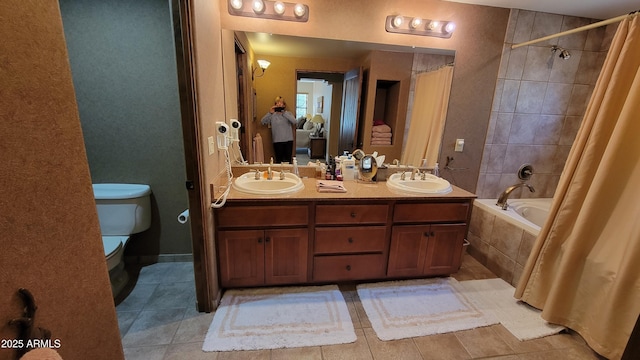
x: 350, y: 240
x: 353, y: 214
x: 348, y: 267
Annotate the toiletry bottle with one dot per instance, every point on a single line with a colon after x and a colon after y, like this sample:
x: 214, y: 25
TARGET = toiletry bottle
x: 295, y: 166
x: 318, y: 170
x: 436, y: 170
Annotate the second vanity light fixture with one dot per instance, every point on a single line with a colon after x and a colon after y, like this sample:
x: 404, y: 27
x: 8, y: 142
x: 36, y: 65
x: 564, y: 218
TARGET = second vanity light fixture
x: 419, y: 26
x: 267, y: 9
x: 262, y: 65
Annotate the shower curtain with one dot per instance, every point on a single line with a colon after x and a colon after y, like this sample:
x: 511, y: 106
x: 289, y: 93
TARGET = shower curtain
x: 428, y: 115
x: 584, y: 271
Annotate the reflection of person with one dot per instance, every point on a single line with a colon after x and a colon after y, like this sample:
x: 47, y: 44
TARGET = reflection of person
x: 281, y: 122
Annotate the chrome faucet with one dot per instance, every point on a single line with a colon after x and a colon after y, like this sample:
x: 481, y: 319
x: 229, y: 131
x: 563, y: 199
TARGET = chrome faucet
x: 502, y: 199
x: 269, y: 173
x: 257, y: 174
x: 414, y: 171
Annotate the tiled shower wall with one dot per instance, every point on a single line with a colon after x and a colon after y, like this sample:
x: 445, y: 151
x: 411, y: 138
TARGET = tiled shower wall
x: 539, y: 101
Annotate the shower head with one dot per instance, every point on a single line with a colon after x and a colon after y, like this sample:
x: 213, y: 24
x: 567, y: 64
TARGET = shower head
x: 564, y: 53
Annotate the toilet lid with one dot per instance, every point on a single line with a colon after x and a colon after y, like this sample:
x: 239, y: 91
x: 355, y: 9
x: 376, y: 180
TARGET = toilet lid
x: 112, y: 244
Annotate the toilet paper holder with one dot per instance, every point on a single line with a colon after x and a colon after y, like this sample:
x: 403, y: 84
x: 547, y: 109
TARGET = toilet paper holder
x: 183, y: 217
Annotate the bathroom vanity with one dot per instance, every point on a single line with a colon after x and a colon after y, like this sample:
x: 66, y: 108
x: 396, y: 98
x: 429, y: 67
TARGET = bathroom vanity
x: 367, y: 233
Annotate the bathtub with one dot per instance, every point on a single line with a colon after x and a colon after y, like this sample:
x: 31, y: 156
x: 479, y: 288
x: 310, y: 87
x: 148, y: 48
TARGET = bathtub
x: 528, y: 214
x: 502, y: 239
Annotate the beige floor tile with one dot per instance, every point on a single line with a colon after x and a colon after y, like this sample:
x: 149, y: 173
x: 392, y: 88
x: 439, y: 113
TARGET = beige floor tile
x: 245, y: 355
x: 353, y: 313
x: 570, y: 353
x: 357, y: 350
x: 193, y: 327
x: 483, y: 342
x: 403, y: 349
x: 302, y: 353
x: 441, y: 347
x: 145, y: 353
x: 191, y: 351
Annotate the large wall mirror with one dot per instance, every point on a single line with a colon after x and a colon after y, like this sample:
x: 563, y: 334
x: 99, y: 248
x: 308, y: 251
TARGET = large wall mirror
x: 346, y: 87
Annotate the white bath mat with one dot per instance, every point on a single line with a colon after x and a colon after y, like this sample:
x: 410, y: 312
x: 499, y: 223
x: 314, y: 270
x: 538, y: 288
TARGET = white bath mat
x: 522, y: 320
x: 272, y: 318
x: 403, y: 309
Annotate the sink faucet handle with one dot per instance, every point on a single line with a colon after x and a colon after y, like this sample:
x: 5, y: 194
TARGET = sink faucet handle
x: 283, y: 174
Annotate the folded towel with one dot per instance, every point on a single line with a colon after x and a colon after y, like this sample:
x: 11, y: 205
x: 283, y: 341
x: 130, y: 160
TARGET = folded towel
x: 381, y: 128
x: 330, y: 186
x: 380, y: 135
x: 381, y: 142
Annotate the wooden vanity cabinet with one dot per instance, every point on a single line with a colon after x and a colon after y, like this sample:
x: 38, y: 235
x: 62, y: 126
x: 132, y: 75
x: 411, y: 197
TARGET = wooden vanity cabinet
x: 262, y: 245
x: 427, y: 238
x: 350, y: 241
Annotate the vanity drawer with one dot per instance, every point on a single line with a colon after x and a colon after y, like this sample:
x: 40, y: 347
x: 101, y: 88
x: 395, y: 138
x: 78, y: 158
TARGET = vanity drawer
x: 348, y: 267
x: 262, y: 216
x: 345, y: 214
x: 350, y: 239
x: 430, y: 212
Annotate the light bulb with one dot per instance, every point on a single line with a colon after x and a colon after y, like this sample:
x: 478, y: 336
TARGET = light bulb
x: 397, y: 21
x: 299, y: 10
x: 279, y: 7
x: 236, y: 4
x: 416, y: 23
x: 258, y: 6
x: 433, y: 24
x: 449, y: 27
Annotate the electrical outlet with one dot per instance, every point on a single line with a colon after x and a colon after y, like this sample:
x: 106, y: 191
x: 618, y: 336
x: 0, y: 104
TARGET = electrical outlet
x: 212, y: 145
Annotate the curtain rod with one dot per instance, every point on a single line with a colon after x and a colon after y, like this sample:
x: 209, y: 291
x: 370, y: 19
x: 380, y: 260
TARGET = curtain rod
x: 573, y: 31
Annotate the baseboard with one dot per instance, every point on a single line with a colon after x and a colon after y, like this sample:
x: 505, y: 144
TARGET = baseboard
x: 152, y: 259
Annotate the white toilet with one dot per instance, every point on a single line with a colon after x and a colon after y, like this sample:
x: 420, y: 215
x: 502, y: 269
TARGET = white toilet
x: 123, y: 209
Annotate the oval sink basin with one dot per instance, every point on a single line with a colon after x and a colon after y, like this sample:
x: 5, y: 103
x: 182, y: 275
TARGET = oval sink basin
x: 430, y: 185
x: 247, y: 183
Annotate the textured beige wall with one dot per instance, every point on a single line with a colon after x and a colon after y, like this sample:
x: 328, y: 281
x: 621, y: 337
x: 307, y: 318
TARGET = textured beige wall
x: 477, y: 42
x: 539, y: 101
x: 50, y: 234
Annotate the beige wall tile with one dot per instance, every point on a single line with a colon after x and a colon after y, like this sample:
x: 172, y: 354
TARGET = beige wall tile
x: 565, y: 70
x: 515, y: 67
x: 509, y: 97
x: 506, y: 238
x: 531, y: 97
x: 503, y: 128
x: 501, y: 265
x: 556, y: 100
x: 523, y: 128
x: 538, y: 64
x: 570, y: 130
x: 481, y: 223
x: 546, y: 24
x: 525, y: 248
x: 577, y: 40
x: 524, y: 25
x: 549, y: 129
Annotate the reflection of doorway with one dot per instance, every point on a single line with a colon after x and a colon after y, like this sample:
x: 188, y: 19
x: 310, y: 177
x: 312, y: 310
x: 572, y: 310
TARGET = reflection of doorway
x: 324, y: 88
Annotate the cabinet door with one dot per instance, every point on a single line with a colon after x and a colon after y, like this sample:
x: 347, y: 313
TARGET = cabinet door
x: 286, y: 256
x: 408, y: 250
x: 241, y: 256
x: 444, y: 249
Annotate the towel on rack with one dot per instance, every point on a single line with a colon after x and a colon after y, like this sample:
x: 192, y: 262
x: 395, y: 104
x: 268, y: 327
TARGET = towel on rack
x: 258, y: 150
x: 381, y: 135
x: 333, y: 186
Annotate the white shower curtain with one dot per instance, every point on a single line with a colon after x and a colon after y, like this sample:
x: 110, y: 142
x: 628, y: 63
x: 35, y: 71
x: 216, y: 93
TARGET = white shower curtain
x: 428, y: 115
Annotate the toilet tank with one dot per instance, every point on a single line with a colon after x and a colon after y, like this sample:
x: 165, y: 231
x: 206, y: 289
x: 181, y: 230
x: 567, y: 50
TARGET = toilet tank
x: 123, y: 209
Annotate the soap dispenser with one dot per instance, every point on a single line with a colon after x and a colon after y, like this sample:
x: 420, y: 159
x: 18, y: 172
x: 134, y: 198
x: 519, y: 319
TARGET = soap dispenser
x: 295, y: 166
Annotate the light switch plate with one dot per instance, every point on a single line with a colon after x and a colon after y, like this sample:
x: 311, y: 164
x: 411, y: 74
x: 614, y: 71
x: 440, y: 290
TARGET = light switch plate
x: 459, y: 145
x: 212, y: 145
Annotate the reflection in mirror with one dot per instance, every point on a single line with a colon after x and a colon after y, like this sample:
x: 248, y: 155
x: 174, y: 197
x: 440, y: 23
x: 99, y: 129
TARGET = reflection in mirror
x: 300, y: 52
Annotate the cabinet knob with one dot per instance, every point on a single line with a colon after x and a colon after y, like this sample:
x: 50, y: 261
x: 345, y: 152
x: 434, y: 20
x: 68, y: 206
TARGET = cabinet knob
x: 350, y: 240
x: 432, y: 234
x: 267, y: 239
x: 426, y: 234
x: 353, y: 214
x: 260, y: 240
x: 348, y: 267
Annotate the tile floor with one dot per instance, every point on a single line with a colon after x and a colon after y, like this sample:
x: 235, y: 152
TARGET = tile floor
x: 158, y: 320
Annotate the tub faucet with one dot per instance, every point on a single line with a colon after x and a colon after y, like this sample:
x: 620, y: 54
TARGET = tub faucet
x: 502, y: 199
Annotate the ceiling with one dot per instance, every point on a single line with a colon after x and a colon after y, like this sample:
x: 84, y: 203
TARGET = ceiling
x: 291, y: 46
x: 593, y: 9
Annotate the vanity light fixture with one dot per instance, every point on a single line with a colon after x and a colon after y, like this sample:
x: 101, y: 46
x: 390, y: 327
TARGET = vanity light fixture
x: 262, y: 65
x: 279, y: 7
x: 257, y: 6
x: 269, y: 9
x: 419, y: 26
